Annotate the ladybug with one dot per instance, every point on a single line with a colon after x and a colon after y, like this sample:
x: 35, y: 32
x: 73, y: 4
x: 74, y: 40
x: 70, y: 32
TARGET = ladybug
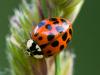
x: 49, y: 37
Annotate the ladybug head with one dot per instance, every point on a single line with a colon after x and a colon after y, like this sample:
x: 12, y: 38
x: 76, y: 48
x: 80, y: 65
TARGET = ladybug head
x: 34, y: 50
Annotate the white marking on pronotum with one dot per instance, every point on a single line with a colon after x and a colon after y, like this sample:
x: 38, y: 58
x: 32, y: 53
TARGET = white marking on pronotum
x: 38, y: 56
x: 38, y: 48
x: 29, y: 43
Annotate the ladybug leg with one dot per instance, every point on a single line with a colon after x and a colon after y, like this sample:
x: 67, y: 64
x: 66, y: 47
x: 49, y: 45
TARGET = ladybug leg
x: 27, y: 53
x: 69, y: 43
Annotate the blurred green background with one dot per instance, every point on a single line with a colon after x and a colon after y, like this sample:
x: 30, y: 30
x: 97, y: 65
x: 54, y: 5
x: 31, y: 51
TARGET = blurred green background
x: 86, y: 40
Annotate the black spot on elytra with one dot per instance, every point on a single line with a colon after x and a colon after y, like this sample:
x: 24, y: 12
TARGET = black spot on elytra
x: 53, y: 19
x: 48, y: 26
x: 50, y: 37
x: 55, y: 44
x: 36, y: 34
x: 43, y: 45
x: 64, y: 37
x: 70, y: 31
x: 62, y: 20
x: 55, y: 22
x: 40, y: 38
x: 61, y: 47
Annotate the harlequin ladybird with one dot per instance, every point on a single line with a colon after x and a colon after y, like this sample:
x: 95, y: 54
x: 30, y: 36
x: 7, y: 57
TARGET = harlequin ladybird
x: 49, y: 37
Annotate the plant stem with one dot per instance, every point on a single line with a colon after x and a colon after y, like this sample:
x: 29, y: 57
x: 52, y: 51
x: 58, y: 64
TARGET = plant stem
x: 57, y: 65
x: 44, y: 8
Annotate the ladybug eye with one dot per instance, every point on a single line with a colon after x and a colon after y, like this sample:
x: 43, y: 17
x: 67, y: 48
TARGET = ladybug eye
x: 29, y: 43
